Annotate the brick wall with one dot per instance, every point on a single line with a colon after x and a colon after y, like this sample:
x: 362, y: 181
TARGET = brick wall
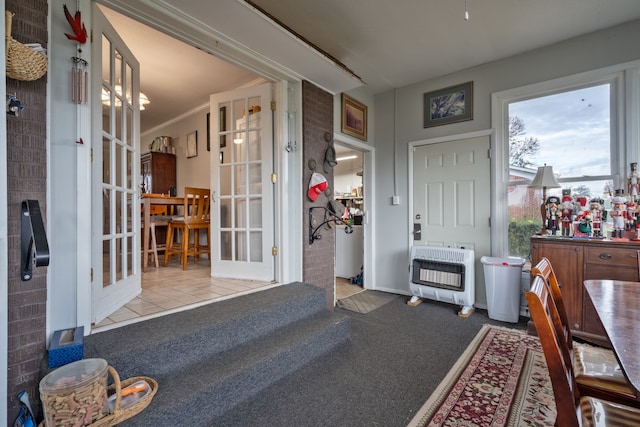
x: 26, y: 175
x: 317, y: 124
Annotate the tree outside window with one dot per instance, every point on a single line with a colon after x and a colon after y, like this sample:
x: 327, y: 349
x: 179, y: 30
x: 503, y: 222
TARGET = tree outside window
x: 570, y: 131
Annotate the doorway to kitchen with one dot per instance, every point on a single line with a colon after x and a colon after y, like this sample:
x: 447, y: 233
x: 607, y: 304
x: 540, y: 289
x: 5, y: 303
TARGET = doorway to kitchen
x: 349, y: 191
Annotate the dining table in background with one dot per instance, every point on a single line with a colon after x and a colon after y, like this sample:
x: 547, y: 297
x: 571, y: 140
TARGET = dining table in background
x: 618, y: 306
x: 148, y: 201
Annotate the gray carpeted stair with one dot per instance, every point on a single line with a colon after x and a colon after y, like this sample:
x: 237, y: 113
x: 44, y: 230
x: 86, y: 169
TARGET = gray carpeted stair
x: 209, y: 359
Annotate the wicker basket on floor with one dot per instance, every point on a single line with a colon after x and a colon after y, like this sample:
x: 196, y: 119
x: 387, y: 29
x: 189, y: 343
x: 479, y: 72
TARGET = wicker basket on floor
x: 119, y: 415
x: 23, y: 63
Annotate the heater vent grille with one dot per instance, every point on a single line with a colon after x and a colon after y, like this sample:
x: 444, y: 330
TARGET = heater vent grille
x: 443, y: 274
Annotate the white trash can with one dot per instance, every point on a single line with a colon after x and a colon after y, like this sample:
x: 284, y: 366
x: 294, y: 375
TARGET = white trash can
x: 502, y: 282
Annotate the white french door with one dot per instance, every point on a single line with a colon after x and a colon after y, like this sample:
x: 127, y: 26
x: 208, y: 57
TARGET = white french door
x: 115, y: 206
x: 242, y: 221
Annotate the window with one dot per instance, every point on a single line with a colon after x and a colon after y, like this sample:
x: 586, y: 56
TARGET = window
x: 612, y: 99
x: 570, y: 131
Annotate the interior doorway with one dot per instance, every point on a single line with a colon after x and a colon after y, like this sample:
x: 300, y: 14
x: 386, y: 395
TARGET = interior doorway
x: 166, y: 290
x: 349, y: 190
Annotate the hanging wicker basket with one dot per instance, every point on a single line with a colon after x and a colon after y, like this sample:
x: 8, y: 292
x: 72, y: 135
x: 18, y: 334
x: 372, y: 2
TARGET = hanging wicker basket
x: 23, y: 63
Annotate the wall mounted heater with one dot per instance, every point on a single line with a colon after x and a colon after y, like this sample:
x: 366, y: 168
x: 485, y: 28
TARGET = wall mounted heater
x: 443, y: 274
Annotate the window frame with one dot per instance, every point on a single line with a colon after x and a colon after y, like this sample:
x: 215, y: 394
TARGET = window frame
x: 624, y: 123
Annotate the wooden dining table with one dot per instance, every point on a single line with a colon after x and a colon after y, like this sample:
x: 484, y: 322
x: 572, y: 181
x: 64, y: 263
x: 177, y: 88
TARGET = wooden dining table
x: 618, y: 306
x: 147, y: 202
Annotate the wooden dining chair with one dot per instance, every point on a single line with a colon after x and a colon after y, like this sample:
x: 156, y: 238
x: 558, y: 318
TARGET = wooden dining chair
x: 573, y: 409
x: 195, y: 217
x: 596, y: 369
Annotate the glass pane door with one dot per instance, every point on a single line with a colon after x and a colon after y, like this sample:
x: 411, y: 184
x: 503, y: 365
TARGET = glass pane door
x: 244, y: 226
x: 116, y: 270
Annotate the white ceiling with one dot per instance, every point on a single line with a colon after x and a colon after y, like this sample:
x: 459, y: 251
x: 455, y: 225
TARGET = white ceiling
x: 175, y: 77
x: 388, y: 44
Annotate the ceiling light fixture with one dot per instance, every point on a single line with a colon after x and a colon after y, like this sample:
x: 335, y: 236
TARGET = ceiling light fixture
x: 339, y: 159
x: 466, y: 12
x: 143, y: 99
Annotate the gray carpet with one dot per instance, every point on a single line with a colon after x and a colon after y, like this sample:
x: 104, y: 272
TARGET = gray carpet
x: 396, y: 357
x: 366, y: 301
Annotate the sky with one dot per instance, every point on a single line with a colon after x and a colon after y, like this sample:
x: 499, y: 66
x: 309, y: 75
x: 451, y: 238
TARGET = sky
x: 573, y: 129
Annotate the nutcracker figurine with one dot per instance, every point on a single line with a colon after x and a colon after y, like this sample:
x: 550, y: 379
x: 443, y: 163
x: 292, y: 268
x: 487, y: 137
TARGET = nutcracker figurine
x: 595, y: 206
x: 582, y: 227
x: 633, y: 182
x: 552, y: 214
x: 566, y: 212
x: 619, y: 215
x: 632, y: 215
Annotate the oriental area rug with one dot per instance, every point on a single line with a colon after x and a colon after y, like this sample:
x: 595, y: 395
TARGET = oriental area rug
x: 501, y: 379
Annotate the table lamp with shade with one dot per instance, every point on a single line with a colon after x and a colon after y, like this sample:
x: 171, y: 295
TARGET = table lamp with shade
x: 544, y: 179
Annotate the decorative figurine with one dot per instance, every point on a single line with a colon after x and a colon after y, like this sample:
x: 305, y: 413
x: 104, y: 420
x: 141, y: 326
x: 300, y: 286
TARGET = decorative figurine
x: 595, y: 206
x: 632, y: 215
x: 619, y: 215
x: 582, y: 226
x: 552, y: 214
x: 566, y: 212
x: 633, y: 183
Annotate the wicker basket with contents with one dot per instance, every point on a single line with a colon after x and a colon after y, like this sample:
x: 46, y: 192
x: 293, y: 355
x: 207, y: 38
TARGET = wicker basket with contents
x: 77, y: 395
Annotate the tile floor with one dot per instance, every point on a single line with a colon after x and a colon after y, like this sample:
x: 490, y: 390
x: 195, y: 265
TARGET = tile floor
x: 170, y: 289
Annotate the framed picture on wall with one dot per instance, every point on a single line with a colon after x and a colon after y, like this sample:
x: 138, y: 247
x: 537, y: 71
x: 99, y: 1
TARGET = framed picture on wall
x: 449, y: 105
x: 208, y: 132
x: 354, y: 117
x: 223, y: 126
x: 192, y: 144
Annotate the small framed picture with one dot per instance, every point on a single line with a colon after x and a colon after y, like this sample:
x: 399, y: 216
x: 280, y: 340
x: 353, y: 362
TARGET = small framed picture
x: 192, y: 144
x: 449, y: 105
x: 354, y: 117
x: 208, y: 131
x: 223, y: 126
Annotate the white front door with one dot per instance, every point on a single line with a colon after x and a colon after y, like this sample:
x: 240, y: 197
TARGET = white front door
x: 452, y: 198
x: 115, y: 205
x: 242, y: 221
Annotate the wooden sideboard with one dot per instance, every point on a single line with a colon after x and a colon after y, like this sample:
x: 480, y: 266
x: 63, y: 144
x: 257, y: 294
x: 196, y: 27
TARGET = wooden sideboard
x: 576, y: 260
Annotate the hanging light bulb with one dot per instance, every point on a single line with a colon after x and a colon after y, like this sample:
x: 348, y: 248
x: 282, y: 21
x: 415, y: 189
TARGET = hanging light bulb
x: 466, y: 12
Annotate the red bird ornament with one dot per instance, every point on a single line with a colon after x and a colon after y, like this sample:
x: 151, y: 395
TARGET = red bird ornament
x: 79, y: 30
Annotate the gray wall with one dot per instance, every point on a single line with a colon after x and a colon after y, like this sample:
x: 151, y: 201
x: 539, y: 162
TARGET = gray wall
x: 613, y: 46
